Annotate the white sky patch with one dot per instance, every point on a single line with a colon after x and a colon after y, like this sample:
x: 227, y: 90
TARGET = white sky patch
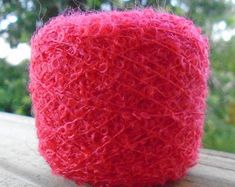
x: 180, y: 4
x: 16, y: 55
x: 228, y: 34
x: 174, y: 2
x: 144, y: 2
x: 233, y: 1
x: 225, y: 35
x: 4, y: 23
x: 221, y: 32
x: 219, y: 26
x: 106, y: 7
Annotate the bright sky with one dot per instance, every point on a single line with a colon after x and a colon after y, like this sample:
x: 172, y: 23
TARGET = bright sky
x: 220, y: 31
x: 16, y: 55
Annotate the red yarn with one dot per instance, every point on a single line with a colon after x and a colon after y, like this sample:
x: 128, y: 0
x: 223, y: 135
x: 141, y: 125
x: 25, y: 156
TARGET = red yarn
x: 119, y: 97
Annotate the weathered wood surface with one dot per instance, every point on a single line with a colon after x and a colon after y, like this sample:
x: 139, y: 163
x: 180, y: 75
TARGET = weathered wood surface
x: 21, y: 165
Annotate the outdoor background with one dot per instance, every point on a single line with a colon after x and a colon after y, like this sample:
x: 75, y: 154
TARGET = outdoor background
x: 19, y: 19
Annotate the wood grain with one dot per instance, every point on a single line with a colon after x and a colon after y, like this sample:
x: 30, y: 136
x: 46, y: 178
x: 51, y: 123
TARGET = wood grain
x: 21, y: 165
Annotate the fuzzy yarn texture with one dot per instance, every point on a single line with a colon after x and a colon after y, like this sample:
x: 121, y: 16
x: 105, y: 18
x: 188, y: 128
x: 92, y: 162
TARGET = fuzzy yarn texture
x: 119, y: 97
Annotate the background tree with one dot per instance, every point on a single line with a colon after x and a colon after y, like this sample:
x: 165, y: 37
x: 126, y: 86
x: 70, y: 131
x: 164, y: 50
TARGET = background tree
x: 13, y: 88
x: 213, y: 16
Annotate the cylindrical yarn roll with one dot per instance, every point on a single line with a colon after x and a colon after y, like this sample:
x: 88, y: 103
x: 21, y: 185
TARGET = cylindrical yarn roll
x: 119, y: 97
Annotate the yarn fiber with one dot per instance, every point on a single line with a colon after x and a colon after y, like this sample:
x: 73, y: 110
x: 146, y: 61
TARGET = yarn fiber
x: 119, y: 97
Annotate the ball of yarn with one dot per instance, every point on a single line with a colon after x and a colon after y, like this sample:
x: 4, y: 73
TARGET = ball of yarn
x: 119, y: 97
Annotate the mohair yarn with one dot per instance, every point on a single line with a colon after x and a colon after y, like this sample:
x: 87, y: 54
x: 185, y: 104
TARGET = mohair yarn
x: 119, y: 97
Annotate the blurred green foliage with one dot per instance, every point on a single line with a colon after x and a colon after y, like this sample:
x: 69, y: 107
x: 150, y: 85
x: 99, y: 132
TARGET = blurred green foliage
x: 220, y: 119
x: 13, y: 88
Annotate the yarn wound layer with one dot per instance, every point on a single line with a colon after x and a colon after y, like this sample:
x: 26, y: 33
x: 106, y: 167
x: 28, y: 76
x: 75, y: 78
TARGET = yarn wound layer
x: 119, y: 97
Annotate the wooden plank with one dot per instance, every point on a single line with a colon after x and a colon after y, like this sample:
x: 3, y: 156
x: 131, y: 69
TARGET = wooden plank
x: 21, y: 165
x: 19, y: 158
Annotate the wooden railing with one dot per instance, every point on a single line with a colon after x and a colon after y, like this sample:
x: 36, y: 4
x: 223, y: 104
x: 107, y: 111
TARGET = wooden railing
x: 21, y: 165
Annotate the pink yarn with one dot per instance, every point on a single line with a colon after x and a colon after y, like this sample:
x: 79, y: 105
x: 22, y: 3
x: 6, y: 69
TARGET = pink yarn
x: 119, y: 97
